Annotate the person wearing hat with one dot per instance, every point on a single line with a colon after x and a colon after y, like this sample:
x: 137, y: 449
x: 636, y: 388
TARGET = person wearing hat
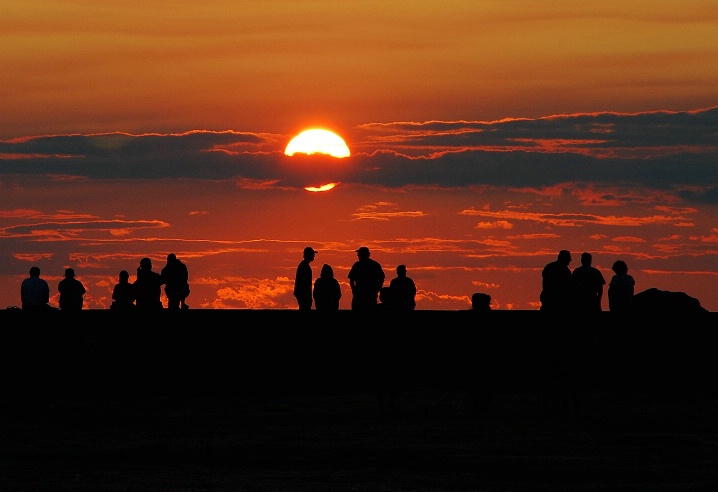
x: 71, y: 292
x: 303, y: 280
x: 366, y: 278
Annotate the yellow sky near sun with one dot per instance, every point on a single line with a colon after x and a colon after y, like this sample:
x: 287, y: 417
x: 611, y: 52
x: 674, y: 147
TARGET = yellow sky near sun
x: 270, y: 65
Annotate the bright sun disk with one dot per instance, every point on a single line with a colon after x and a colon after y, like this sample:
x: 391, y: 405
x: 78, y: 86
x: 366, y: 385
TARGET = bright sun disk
x: 317, y: 141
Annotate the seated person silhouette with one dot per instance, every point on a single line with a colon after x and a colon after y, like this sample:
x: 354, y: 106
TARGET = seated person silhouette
x: 123, y: 294
x: 480, y: 302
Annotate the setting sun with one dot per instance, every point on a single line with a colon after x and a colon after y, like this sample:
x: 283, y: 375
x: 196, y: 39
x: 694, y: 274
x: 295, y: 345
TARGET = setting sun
x: 318, y: 189
x: 318, y: 141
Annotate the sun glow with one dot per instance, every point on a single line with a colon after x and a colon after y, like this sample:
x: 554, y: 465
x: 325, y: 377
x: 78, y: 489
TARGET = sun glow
x: 317, y: 141
x: 318, y: 189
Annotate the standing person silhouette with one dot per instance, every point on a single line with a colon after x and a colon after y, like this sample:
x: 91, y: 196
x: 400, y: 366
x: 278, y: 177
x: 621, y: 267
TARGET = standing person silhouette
x: 148, y: 287
x: 556, y: 284
x: 366, y: 278
x: 403, y: 290
x: 587, y: 286
x: 303, y: 280
x: 72, y: 292
x: 175, y: 277
x: 620, y: 289
x: 327, y: 291
x: 123, y: 294
x: 34, y: 292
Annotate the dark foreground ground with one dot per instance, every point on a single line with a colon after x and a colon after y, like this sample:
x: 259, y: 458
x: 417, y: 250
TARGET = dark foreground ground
x: 439, y: 401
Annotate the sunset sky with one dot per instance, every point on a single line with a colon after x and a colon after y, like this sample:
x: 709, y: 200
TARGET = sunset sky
x: 485, y: 136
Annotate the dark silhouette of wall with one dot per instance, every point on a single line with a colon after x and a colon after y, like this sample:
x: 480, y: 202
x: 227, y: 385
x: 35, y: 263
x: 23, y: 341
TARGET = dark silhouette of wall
x: 243, y: 351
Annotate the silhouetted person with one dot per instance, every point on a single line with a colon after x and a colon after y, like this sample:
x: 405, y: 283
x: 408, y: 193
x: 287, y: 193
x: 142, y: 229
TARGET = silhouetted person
x: 556, y: 284
x: 327, y: 291
x: 72, y: 292
x: 123, y: 295
x: 366, y: 278
x: 403, y: 290
x: 175, y: 277
x: 34, y: 292
x: 303, y: 280
x: 587, y: 286
x: 480, y: 302
x: 620, y: 289
x: 148, y: 287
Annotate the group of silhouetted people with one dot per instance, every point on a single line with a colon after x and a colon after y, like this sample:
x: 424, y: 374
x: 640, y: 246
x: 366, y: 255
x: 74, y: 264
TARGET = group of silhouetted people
x: 366, y: 280
x: 563, y: 290
x: 142, y: 294
x: 581, y: 290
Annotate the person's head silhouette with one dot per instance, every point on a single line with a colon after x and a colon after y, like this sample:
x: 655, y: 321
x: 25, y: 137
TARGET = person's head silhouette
x: 363, y: 252
x: 564, y: 256
x: 69, y: 272
x: 620, y: 267
x: 309, y: 253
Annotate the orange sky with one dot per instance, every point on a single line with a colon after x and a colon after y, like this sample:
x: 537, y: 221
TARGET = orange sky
x: 485, y: 137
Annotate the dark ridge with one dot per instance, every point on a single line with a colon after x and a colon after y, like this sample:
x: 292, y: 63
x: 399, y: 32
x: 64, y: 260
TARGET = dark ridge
x: 240, y: 351
x: 229, y: 400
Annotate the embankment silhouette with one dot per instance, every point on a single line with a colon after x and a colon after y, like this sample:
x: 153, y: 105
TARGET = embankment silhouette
x: 233, y: 352
x: 284, y: 400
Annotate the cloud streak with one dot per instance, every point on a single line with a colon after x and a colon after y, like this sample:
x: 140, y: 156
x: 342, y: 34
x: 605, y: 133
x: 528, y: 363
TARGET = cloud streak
x: 673, y: 151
